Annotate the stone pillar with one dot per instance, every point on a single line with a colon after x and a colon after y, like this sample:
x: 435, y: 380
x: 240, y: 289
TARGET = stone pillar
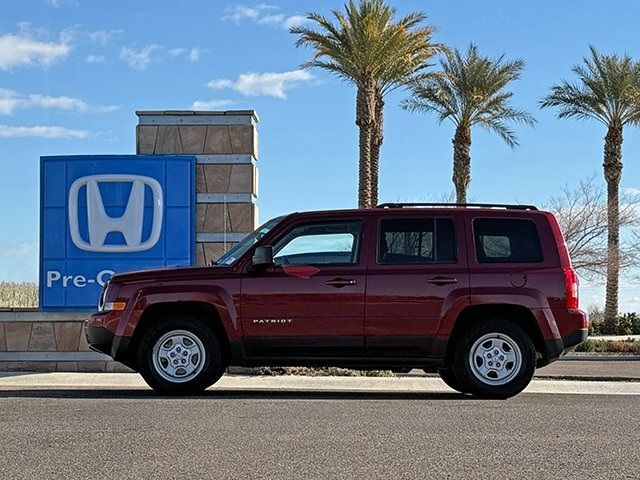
x: 226, y: 148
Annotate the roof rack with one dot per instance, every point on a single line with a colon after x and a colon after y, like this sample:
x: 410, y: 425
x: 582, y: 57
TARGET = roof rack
x: 460, y: 205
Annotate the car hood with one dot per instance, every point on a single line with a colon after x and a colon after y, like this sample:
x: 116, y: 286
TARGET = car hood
x: 171, y: 273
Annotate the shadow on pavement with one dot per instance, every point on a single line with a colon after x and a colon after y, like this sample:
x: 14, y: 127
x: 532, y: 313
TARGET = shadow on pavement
x: 231, y: 394
x: 16, y: 374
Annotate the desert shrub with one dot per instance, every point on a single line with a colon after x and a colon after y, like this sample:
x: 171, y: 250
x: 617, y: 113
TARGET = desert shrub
x: 596, y: 320
x: 625, y: 324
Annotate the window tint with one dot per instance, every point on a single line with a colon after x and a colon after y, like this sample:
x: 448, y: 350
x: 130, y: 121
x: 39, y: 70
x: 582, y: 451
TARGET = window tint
x: 425, y: 240
x: 506, y: 241
x: 319, y: 244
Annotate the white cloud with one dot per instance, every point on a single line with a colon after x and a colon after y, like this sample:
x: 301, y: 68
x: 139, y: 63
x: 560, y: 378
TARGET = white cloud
x: 103, y: 37
x: 631, y: 191
x: 61, y: 103
x: 238, y: 13
x: 175, y: 52
x: 8, y: 131
x: 264, y: 14
x: 10, y: 101
x: 270, y: 83
x: 94, y: 58
x: 209, y: 104
x: 21, y: 51
x: 195, y: 54
x: 23, y: 250
x: 59, y: 3
x: 140, y: 59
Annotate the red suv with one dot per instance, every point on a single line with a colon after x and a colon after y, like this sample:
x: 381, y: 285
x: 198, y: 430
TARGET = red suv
x: 482, y: 294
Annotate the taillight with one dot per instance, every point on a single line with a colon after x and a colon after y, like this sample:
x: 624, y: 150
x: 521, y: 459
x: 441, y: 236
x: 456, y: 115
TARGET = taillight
x: 571, y: 288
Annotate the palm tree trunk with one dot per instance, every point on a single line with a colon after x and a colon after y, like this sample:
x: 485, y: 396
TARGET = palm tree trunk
x: 376, y: 143
x: 365, y: 119
x: 612, y: 174
x: 461, y: 162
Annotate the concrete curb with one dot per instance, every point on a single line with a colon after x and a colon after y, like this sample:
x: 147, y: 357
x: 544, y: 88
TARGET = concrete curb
x: 290, y: 383
x: 600, y: 357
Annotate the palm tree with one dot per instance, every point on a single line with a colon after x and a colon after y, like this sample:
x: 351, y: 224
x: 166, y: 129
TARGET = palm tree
x: 470, y: 90
x: 367, y: 47
x: 607, y: 90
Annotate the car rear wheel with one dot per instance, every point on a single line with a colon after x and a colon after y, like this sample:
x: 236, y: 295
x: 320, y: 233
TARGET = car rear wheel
x: 494, y: 359
x: 180, y: 355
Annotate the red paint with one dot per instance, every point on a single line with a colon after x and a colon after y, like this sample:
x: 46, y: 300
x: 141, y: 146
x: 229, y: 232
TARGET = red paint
x: 300, y: 271
x: 377, y: 302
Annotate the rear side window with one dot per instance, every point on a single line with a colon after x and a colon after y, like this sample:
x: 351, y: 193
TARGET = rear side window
x: 410, y: 241
x: 506, y: 240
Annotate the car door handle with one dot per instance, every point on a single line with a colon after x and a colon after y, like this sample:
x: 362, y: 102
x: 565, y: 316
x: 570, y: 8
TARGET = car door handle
x: 442, y: 280
x: 340, y: 282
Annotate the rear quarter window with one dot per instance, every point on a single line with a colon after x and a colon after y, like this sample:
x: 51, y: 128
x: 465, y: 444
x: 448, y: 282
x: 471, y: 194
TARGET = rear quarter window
x: 506, y: 240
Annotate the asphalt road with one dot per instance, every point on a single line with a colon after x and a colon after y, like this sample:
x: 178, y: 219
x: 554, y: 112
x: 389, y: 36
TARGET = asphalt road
x: 270, y: 435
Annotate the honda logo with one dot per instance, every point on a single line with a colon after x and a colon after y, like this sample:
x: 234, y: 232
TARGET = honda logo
x: 130, y: 224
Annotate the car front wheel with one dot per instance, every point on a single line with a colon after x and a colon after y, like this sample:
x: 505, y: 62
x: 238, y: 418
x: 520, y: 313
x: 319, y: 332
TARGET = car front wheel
x: 494, y: 359
x: 180, y: 355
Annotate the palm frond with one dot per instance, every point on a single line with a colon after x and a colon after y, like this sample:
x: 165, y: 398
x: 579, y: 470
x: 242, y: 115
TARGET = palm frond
x: 367, y: 40
x: 472, y: 90
x: 607, y: 90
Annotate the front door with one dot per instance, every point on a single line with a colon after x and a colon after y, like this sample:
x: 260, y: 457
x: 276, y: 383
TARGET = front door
x: 311, y: 303
x: 417, y: 270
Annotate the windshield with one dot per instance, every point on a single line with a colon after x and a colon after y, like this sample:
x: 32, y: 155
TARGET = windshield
x: 247, y: 242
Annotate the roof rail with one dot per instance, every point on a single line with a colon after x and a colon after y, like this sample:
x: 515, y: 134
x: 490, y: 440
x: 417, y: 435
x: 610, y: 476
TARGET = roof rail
x: 460, y: 205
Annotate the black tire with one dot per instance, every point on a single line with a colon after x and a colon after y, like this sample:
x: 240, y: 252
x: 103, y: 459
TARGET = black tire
x: 504, y: 336
x: 208, y: 371
x: 448, y: 376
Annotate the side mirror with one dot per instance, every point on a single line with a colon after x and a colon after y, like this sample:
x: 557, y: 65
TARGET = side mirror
x: 262, y: 257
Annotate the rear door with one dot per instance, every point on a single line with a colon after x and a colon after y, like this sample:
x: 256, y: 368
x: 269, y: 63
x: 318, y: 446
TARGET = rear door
x: 418, y: 269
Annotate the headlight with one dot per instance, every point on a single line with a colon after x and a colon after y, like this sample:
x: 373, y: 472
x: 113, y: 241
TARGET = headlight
x: 103, y: 297
x: 104, y: 305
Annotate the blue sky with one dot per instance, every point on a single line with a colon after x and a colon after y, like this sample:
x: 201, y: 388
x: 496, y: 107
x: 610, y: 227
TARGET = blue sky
x: 72, y: 73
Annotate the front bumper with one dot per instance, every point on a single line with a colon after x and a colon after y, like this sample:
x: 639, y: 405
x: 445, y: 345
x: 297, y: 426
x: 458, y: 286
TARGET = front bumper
x: 100, y: 337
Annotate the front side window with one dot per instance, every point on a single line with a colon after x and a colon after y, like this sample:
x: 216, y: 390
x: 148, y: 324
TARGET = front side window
x: 231, y: 256
x: 320, y: 244
x: 506, y: 240
x: 411, y: 241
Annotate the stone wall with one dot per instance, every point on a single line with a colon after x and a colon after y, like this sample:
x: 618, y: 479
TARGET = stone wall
x: 226, y: 148
x: 37, y: 341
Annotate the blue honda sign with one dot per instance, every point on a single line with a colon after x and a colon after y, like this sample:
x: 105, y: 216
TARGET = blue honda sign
x: 102, y: 214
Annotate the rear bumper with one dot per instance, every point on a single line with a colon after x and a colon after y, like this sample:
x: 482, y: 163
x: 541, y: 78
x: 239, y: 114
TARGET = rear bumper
x: 574, y: 338
x: 558, y: 346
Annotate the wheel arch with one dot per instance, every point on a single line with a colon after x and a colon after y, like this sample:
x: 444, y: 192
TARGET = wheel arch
x: 203, y: 311
x: 513, y: 313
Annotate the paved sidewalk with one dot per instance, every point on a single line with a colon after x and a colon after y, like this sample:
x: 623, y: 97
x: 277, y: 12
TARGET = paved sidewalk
x: 290, y: 383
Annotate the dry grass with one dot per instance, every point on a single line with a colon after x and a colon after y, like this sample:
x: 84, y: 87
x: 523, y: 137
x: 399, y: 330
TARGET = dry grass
x: 313, y: 372
x: 609, y: 346
x: 18, y: 295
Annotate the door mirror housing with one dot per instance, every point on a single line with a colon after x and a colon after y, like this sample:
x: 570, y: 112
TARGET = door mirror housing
x: 262, y: 257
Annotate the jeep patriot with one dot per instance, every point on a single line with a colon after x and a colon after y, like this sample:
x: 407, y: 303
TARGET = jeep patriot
x: 481, y: 294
